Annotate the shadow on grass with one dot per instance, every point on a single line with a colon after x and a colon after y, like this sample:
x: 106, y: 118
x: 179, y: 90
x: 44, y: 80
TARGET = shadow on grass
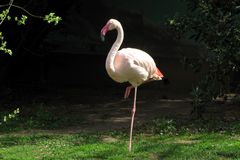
x: 8, y: 141
x: 75, y: 140
x: 167, y: 153
x: 160, y: 151
x: 228, y: 155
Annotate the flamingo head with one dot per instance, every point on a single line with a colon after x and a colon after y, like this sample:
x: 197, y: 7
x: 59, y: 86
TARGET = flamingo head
x: 111, y: 25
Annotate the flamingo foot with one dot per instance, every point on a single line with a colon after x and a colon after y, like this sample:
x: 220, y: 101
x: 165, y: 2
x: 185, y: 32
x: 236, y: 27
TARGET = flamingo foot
x: 128, y: 91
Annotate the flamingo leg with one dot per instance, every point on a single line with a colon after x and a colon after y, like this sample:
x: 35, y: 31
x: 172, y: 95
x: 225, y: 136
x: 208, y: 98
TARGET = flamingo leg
x: 132, y: 120
x: 128, y: 91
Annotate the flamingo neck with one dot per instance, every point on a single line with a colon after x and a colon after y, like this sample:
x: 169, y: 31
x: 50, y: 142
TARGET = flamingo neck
x: 115, y: 47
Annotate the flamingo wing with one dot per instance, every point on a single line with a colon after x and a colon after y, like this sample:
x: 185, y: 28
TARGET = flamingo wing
x: 134, y: 66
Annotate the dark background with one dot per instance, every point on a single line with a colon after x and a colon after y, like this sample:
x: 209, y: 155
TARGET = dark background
x: 72, y: 55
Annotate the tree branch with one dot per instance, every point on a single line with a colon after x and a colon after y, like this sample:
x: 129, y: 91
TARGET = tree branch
x: 4, y: 5
x: 9, y: 7
x: 19, y: 7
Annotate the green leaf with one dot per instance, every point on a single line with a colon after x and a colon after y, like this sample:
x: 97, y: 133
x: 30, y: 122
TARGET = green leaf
x: 8, y: 18
x: 21, y: 20
x: 52, y: 18
x: 5, y: 119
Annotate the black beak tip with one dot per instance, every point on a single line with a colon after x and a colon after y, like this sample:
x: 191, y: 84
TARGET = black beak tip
x: 102, y: 38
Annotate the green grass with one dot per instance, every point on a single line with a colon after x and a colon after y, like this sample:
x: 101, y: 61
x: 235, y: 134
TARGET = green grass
x: 40, y: 116
x: 25, y: 138
x: 196, y: 146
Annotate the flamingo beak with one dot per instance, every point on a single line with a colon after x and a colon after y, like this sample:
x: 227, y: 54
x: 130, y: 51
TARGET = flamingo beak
x: 103, y: 32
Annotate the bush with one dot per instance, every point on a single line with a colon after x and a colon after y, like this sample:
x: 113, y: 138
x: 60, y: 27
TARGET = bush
x: 9, y: 116
x: 214, y: 24
x: 161, y: 126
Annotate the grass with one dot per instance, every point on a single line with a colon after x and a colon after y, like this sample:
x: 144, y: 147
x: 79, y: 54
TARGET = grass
x: 40, y: 116
x: 97, y: 146
x: 163, y: 138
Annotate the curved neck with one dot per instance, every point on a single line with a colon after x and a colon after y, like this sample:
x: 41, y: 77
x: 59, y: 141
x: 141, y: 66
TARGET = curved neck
x: 114, y: 49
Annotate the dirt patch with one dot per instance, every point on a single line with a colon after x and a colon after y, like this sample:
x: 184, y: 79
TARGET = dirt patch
x: 186, y: 141
x: 95, y: 110
x: 108, y: 139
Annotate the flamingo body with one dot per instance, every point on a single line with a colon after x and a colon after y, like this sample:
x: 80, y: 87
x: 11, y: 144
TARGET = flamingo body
x: 129, y: 65
x: 134, y: 66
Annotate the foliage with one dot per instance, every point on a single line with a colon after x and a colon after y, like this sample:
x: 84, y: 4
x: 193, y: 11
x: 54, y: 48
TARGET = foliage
x: 10, y: 116
x: 20, y: 20
x: 5, y: 16
x: 52, y: 18
x: 42, y: 116
x: 215, y: 25
x: 166, y: 126
x: 3, y: 45
x: 161, y: 126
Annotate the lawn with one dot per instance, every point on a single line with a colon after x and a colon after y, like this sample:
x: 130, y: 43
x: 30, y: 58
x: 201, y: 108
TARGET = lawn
x: 58, y: 132
x: 157, y: 139
x: 114, y: 146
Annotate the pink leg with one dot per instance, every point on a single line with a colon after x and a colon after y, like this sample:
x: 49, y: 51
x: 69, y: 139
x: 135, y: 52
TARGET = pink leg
x: 128, y: 91
x: 132, y: 120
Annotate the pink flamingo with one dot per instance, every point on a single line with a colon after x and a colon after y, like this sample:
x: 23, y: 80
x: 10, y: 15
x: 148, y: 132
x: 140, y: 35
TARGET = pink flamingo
x: 129, y: 65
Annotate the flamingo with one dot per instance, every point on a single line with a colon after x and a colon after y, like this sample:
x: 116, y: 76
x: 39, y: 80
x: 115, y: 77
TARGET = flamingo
x: 129, y: 65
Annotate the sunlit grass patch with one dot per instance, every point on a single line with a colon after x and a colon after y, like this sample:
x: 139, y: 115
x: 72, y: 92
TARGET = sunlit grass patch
x: 94, y: 146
